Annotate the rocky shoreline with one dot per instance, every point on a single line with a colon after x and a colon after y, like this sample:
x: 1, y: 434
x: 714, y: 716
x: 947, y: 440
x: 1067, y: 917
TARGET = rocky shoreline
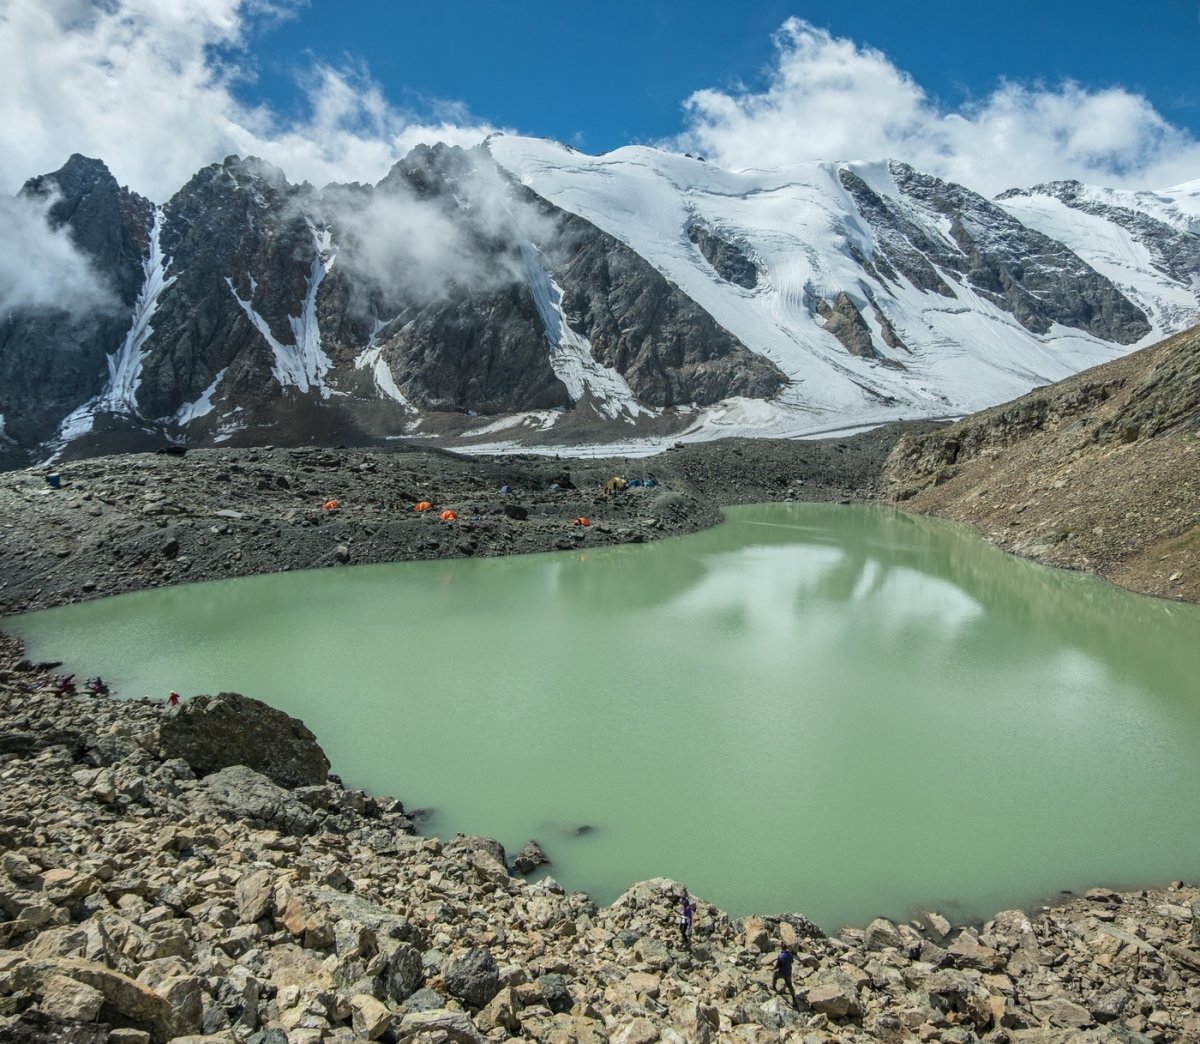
x: 168, y: 876
x: 123, y: 523
x: 172, y: 876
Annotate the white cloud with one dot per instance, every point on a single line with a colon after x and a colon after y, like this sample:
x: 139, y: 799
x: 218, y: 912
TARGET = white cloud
x: 831, y: 99
x: 148, y: 86
x: 40, y: 267
x: 397, y: 240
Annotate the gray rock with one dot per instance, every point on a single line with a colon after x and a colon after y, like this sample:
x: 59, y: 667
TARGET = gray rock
x: 241, y: 792
x: 881, y: 934
x: 1109, y: 1006
x: 1062, y: 1013
x: 37, y: 1027
x: 473, y: 978
x: 453, y: 1025
x: 833, y: 999
x: 423, y: 1000
x: 555, y: 994
x: 845, y: 322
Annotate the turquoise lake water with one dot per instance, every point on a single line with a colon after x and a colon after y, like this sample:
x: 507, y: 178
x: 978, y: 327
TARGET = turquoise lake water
x: 841, y: 711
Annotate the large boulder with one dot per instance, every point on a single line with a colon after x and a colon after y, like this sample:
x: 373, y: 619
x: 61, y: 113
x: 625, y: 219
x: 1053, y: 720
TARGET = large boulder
x: 242, y: 793
x: 211, y: 733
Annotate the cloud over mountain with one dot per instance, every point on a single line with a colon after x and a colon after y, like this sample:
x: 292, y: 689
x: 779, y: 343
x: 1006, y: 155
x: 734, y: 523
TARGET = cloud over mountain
x: 830, y: 98
x: 41, y: 268
x: 151, y: 86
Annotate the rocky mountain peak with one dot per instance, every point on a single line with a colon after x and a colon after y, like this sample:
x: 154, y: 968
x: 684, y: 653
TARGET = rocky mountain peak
x: 1067, y: 191
x: 631, y: 295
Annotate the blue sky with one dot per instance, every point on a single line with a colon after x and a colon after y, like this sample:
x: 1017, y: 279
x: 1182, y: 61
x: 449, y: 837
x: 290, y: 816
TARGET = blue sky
x: 993, y: 96
x: 608, y: 73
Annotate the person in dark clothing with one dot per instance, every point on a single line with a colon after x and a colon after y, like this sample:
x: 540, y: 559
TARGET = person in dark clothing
x: 783, y: 970
x: 687, y: 915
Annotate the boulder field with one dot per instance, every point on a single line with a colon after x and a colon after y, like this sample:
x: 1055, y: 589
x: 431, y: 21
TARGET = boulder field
x: 166, y: 876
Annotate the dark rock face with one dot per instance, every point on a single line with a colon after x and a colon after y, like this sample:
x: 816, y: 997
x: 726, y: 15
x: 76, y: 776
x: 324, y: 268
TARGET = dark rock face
x: 237, y: 232
x: 845, y: 322
x: 1175, y: 253
x: 215, y: 732
x: 905, y: 248
x: 665, y: 345
x: 466, y: 336
x: 53, y: 360
x: 729, y: 260
x: 477, y: 352
x: 890, y: 337
x: 1038, y: 280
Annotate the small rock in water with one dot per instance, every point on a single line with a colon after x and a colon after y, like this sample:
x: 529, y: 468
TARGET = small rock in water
x: 529, y: 858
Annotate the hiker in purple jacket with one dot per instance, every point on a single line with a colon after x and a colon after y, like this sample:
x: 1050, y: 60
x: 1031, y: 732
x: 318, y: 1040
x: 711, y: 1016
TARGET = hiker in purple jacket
x: 687, y: 914
x: 783, y: 970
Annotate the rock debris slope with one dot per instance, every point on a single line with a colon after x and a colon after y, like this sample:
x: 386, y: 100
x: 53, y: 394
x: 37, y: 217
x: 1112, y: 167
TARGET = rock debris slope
x: 148, y: 900
x: 1099, y: 472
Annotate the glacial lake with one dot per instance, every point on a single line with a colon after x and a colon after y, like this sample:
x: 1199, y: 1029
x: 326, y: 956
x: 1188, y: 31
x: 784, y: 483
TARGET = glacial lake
x: 841, y: 711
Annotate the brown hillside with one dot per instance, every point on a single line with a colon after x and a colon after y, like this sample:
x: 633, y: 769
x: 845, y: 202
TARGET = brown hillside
x: 1099, y: 472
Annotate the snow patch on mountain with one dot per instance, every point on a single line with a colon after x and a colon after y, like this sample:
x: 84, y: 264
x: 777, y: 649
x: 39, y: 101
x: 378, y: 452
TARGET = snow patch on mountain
x: 810, y: 242
x: 203, y: 406
x: 371, y: 358
x: 302, y: 364
x: 571, y: 353
x: 533, y: 420
x: 125, y: 365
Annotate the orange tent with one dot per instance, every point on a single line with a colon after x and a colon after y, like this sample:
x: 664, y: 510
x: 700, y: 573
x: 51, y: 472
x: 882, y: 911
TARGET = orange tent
x: 330, y: 505
x: 448, y: 516
x: 581, y: 521
x: 424, y: 505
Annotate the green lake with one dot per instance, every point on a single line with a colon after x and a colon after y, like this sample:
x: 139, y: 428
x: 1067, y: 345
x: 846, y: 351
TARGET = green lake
x: 841, y: 711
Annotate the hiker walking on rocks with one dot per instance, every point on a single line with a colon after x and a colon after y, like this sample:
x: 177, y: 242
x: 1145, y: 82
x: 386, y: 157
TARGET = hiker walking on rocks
x: 783, y: 970
x: 173, y: 700
x: 687, y: 914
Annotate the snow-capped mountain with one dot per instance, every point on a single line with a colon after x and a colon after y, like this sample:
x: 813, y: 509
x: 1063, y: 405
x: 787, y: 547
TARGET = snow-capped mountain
x: 524, y: 294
